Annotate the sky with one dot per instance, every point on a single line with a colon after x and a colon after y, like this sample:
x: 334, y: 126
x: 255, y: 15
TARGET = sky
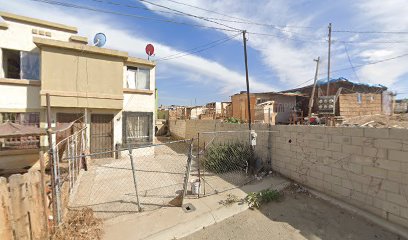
x: 284, y: 38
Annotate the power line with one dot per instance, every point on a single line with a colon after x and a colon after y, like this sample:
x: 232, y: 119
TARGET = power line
x: 52, y: 2
x: 370, y: 32
x: 284, y: 37
x: 197, y: 49
x: 190, y: 15
x: 351, y: 64
x: 240, y: 20
x: 370, y: 42
x: 358, y: 66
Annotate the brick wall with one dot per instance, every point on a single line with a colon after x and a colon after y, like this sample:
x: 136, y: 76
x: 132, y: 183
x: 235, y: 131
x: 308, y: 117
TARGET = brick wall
x: 370, y: 104
x: 366, y: 167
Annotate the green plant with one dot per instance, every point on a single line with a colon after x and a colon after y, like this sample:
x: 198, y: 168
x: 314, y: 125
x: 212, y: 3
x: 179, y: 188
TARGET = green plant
x: 231, y: 199
x: 232, y: 120
x: 227, y: 157
x: 256, y: 199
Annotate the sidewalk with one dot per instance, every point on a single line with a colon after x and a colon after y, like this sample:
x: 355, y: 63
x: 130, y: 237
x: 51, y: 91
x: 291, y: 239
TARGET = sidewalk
x: 173, y: 222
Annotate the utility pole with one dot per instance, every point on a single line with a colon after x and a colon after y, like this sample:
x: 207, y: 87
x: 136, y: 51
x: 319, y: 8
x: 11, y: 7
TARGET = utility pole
x: 251, y: 162
x: 311, y: 101
x: 247, y: 80
x: 328, y: 60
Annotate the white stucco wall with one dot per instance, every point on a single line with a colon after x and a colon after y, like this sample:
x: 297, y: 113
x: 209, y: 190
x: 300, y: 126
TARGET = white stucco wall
x: 19, y: 36
x: 19, y: 97
x: 137, y: 102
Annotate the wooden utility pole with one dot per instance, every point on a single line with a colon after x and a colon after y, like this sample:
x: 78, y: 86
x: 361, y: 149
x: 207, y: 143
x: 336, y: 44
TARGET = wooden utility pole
x: 51, y: 161
x: 247, y: 80
x: 251, y: 163
x: 311, y: 100
x: 328, y: 61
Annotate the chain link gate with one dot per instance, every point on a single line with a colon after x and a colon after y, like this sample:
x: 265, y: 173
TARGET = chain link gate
x: 143, y: 178
x: 231, y: 159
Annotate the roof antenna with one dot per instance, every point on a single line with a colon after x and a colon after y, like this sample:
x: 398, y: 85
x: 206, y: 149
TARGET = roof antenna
x: 99, y: 40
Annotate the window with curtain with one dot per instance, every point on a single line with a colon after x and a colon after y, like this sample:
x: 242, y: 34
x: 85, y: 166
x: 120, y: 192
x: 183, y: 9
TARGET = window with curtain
x: 138, y: 78
x: 137, y: 127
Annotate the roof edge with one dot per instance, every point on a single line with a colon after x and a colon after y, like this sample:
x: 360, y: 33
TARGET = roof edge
x: 40, y: 42
x: 38, y: 22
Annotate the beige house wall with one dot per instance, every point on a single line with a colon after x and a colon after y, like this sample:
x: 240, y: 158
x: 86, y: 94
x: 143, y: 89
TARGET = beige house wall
x: 81, y: 79
x: 365, y: 167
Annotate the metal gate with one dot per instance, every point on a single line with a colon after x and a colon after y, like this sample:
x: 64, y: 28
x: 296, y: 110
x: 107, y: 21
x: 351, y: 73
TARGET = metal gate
x: 142, y: 179
x: 102, y: 135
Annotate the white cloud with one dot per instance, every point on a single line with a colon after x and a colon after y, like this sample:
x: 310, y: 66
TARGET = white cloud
x: 292, y: 61
x: 384, y: 16
x: 225, y: 80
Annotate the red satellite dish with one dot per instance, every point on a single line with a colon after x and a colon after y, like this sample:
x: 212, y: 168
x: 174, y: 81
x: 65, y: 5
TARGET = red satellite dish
x: 149, y: 49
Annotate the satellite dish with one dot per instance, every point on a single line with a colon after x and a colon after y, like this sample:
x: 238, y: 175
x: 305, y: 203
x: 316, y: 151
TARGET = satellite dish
x: 99, y: 40
x: 149, y: 50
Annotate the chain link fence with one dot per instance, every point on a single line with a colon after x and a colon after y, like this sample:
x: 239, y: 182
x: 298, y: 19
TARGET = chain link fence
x: 142, y: 178
x: 231, y: 159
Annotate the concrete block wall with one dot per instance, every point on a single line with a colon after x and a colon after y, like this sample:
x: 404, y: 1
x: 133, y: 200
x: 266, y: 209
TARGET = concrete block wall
x: 177, y: 129
x: 238, y: 132
x: 365, y: 167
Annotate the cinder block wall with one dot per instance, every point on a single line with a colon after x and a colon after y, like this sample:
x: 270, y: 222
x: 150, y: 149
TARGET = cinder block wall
x: 177, y: 129
x: 366, y: 167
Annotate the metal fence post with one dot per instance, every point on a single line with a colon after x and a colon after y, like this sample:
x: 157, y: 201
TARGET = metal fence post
x: 134, y: 178
x: 188, y: 169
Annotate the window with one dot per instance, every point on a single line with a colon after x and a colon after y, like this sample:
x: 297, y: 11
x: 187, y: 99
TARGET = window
x: 359, y: 98
x: 137, y: 127
x: 28, y: 142
x: 138, y: 78
x: 21, y: 64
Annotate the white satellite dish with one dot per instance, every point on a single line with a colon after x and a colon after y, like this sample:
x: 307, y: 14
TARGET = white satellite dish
x: 99, y: 40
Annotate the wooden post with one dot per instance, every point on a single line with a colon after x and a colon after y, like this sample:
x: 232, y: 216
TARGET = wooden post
x: 18, y: 207
x: 311, y: 100
x: 6, y: 230
x: 328, y: 61
x: 51, y: 160
x: 44, y: 192
x: 35, y: 205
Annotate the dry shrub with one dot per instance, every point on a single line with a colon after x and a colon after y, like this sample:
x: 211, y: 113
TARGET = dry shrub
x: 80, y: 224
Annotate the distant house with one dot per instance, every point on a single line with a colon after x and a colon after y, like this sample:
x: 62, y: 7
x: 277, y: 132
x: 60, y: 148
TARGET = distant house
x: 354, y: 99
x: 401, y: 106
x: 283, y: 104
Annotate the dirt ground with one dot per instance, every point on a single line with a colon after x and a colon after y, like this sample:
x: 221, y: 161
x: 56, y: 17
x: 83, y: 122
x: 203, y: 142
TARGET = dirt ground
x: 396, y: 120
x: 297, y: 216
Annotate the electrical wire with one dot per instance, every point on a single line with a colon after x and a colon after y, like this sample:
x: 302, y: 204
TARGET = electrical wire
x: 210, y: 19
x: 188, y: 14
x: 52, y: 2
x: 351, y: 64
x: 197, y: 49
x: 370, y: 32
x: 284, y: 37
x: 240, y: 20
x: 357, y: 66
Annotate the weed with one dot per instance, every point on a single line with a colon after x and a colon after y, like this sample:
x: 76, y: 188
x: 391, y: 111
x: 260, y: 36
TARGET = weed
x: 256, y: 199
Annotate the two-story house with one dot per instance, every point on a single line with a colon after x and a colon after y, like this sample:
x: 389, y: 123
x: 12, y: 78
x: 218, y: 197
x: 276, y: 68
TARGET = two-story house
x: 109, y: 90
